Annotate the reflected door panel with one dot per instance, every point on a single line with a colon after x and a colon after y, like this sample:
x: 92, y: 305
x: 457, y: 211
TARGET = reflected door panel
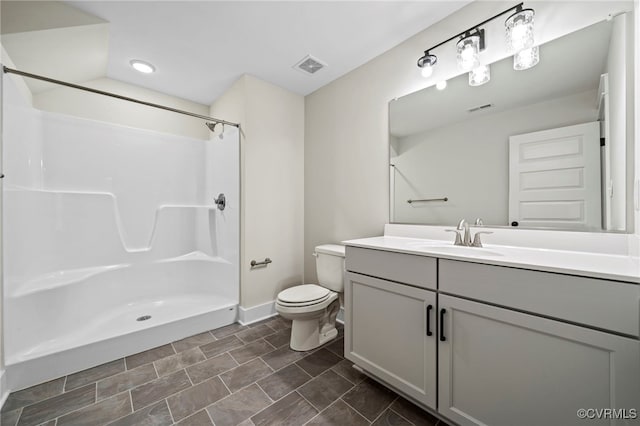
x: 554, y: 178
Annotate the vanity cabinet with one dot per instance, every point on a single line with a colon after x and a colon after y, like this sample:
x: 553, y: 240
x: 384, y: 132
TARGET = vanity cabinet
x: 493, y: 345
x: 500, y: 367
x: 400, y: 348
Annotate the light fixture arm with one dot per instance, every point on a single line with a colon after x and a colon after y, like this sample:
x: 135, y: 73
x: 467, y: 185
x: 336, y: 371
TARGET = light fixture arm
x: 476, y: 27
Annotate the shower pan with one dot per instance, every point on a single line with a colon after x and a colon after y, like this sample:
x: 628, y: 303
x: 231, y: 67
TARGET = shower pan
x: 112, y: 241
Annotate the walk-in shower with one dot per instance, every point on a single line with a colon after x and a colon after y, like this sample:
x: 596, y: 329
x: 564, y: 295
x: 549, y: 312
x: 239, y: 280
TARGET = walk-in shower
x: 113, y: 243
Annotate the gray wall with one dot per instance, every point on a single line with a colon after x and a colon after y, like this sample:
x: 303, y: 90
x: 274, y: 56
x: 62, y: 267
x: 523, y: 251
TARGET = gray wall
x: 346, y: 122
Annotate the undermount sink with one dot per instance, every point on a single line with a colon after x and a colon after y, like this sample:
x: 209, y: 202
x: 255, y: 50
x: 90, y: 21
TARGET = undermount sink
x: 465, y: 251
x: 441, y: 247
x: 428, y: 244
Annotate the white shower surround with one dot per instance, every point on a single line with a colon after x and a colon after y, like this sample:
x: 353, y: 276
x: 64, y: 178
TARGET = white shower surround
x: 106, y: 223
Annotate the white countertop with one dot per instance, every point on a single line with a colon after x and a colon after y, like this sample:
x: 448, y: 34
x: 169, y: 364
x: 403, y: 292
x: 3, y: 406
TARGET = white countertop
x: 596, y: 265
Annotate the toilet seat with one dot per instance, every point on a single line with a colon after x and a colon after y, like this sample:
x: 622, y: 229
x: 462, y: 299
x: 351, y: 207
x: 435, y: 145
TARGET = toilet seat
x: 305, y: 298
x: 303, y: 295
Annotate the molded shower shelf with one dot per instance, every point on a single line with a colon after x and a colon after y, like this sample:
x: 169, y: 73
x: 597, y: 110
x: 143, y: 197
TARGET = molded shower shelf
x: 70, y: 231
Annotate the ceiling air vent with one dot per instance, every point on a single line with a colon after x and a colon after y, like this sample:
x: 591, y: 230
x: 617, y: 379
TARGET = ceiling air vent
x: 480, y: 108
x: 309, y: 65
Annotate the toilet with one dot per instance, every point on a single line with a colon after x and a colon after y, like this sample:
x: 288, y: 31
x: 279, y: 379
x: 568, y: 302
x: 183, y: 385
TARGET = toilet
x: 313, y: 308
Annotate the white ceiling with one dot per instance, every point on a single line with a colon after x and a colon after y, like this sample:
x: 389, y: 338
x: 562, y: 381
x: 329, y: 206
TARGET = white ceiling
x: 568, y: 65
x: 201, y: 48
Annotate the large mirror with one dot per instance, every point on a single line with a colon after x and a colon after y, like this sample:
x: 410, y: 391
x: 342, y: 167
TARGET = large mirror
x: 548, y: 147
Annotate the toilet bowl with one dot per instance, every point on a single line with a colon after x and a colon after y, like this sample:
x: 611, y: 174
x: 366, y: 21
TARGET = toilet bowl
x: 313, y: 308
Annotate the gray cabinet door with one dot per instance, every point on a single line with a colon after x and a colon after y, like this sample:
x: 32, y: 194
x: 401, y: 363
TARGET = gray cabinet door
x: 499, y: 367
x: 386, y: 334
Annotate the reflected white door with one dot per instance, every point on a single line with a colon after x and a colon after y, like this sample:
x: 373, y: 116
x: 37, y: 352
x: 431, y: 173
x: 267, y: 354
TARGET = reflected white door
x: 554, y: 178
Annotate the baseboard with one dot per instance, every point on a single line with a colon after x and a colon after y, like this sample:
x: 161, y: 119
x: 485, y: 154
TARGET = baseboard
x: 257, y: 313
x: 4, y: 392
x: 248, y: 316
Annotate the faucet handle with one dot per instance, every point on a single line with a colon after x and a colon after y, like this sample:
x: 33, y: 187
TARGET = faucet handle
x: 458, y: 241
x: 476, y: 238
x: 479, y: 222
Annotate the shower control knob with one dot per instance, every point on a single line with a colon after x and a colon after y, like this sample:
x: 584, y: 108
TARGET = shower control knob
x: 221, y: 201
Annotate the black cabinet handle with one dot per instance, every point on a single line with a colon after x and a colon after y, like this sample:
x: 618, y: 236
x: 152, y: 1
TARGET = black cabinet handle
x: 442, y: 312
x: 429, y: 308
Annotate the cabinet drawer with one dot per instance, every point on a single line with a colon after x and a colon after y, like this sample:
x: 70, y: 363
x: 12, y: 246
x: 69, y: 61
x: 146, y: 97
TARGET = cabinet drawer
x: 419, y: 271
x: 609, y: 305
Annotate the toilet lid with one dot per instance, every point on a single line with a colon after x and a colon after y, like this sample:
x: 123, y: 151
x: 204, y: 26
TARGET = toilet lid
x: 303, y: 293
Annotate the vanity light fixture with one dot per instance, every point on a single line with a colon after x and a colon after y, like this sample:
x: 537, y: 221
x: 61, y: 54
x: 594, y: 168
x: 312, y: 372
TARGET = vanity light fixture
x: 520, y: 41
x: 479, y: 75
x: 142, y: 66
x: 426, y: 63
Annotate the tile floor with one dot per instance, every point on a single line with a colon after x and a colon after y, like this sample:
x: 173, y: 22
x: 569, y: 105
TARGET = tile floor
x: 234, y: 375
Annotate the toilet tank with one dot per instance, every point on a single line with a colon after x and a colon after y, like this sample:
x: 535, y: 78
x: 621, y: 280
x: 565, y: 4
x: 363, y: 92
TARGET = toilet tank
x: 330, y: 266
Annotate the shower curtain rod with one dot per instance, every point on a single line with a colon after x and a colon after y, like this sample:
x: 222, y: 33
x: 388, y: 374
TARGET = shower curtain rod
x: 113, y: 95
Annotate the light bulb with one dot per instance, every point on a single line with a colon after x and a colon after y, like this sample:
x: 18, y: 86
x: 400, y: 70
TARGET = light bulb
x: 468, y: 50
x: 426, y: 71
x: 441, y: 85
x: 519, y: 30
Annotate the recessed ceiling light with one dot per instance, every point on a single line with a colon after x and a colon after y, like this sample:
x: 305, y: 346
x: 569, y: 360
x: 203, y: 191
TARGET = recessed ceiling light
x: 441, y: 85
x: 142, y: 66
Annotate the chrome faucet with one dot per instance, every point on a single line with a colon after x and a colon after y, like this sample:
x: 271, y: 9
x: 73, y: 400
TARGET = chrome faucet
x: 464, y: 225
x: 465, y: 240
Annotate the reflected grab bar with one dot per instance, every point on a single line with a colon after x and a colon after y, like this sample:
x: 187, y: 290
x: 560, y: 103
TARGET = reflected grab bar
x: 428, y: 199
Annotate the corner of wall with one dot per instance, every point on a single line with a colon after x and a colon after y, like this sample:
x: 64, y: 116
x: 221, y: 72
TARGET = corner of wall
x: 18, y: 80
x: 272, y: 207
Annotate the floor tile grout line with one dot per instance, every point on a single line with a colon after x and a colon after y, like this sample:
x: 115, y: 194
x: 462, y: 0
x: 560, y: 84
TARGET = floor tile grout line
x: 308, y: 402
x: 208, y: 359
x: 169, y: 408
x: 133, y: 388
x: 130, y: 405
x: 95, y: 402
x: 385, y: 409
x: 161, y: 399
x: 66, y: 379
x: 209, y: 414
x: 347, y: 379
x: 223, y: 384
x: 95, y: 395
x: 255, y: 414
x: 268, y: 396
x: 189, y: 377
x: 19, y: 415
x: 339, y: 398
x: 357, y: 411
x: 403, y: 417
x: 325, y: 409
